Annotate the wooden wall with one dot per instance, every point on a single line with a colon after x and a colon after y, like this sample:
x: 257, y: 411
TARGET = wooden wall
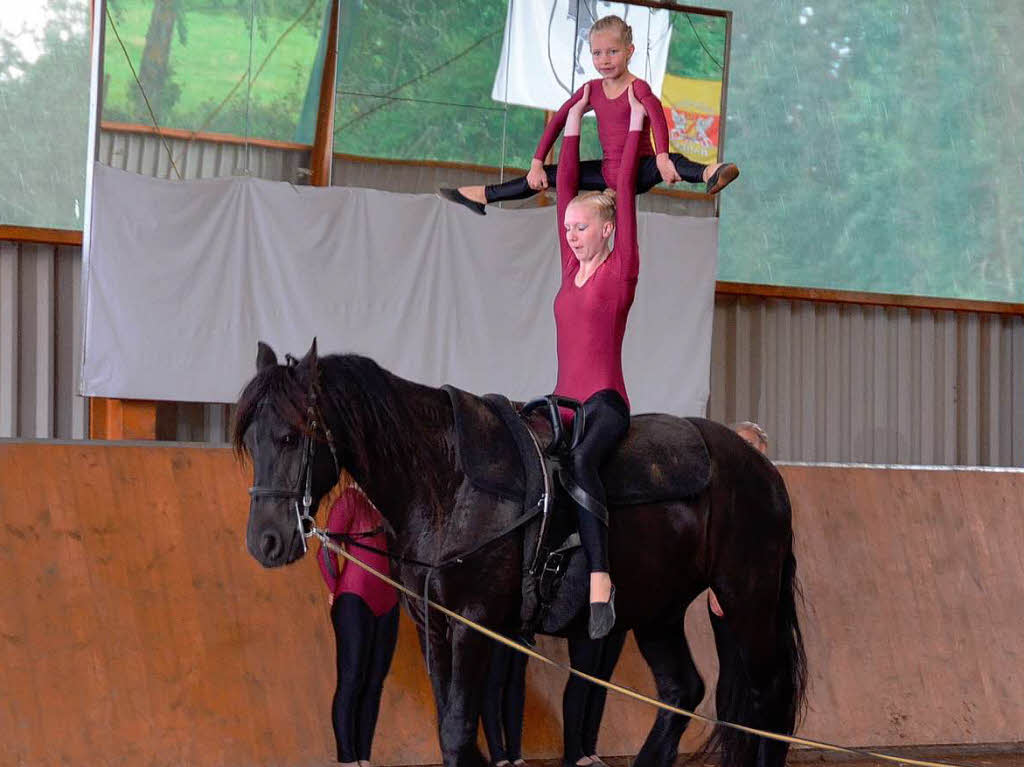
x: 135, y: 629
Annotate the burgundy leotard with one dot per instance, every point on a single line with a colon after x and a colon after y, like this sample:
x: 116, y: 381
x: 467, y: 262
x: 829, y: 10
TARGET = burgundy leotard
x: 590, y: 321
x: 353, y: 513
x: 613, y: 125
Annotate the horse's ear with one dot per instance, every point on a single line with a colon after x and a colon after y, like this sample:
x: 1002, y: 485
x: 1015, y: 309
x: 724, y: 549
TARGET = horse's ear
x: 265, y: 356
x: 309, y: 361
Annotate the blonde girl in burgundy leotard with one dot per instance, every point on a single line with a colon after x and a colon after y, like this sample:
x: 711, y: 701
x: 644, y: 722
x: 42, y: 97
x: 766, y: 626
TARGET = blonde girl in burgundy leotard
x: 611, y: 46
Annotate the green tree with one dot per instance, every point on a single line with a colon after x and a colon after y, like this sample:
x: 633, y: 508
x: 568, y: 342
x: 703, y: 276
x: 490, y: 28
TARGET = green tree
x: 44, y: 118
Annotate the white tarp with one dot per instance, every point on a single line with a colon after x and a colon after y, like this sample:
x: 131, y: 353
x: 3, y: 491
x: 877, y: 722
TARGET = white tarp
x: 183, y: 278
x: 545, y: 55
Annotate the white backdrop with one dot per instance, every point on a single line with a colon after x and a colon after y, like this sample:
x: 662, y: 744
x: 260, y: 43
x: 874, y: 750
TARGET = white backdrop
x: 183, y: 278
x: 543, y: 61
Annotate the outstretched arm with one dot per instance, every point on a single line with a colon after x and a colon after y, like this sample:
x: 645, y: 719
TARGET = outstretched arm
x: 656, y: 117
x: 568, y: 179
x: 536, y: 177
x: 627, y: 256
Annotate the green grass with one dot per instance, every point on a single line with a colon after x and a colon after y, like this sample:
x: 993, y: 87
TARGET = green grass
x: 209, y: 65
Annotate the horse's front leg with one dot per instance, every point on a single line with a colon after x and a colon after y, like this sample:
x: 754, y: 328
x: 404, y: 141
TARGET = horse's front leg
x: 458, y: 711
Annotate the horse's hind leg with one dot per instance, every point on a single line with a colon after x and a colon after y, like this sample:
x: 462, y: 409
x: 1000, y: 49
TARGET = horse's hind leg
x: 666, y: 651
x: 762, y: 669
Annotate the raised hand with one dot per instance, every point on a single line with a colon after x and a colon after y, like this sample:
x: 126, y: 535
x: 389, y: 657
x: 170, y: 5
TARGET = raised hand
x: 582, y: 106
x: 637, y: 112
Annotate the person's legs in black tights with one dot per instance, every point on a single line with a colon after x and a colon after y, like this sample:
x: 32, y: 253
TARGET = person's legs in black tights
x: 504, y: 697
x: 494, y: 699
x: 353, y: 623
x: 607, y: 420
x: 648, y: 176
x: 608, y: 657
x: 583, y: 701
x: 385, y: 637
x: 513, y: 703
x: 591, y: 178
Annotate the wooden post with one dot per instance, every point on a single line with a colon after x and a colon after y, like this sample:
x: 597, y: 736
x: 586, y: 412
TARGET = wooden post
x: 122, y: 418
x: 323, y: 143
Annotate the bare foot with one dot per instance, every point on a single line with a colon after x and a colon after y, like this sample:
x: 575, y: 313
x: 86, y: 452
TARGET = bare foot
x: 475, y: 193
x: 713, y: 602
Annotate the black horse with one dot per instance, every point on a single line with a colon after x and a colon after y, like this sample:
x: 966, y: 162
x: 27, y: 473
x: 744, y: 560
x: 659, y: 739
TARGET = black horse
x: 397, y: 439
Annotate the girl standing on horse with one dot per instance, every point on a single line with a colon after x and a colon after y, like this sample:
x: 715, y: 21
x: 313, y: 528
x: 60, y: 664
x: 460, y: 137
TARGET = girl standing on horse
x: 611, y: 46
x: 364, y: 612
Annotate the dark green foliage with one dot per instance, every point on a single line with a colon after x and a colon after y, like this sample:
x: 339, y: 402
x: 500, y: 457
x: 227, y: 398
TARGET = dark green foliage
x: 880, y: 142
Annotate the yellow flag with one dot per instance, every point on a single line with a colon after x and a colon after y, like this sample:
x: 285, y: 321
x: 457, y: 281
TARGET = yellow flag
x: 693, y: 115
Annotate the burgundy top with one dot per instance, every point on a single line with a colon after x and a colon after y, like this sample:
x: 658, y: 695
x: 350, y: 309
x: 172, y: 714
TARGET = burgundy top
x: 354, y: 513
x: 612, y: 125
x: 590, y: 321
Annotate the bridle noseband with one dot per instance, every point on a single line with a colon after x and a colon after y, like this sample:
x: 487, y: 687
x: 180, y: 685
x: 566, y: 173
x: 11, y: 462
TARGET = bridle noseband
x: 304, y: 516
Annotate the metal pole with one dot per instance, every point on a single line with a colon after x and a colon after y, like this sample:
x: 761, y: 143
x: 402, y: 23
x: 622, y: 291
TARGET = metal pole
x: 99, y: 27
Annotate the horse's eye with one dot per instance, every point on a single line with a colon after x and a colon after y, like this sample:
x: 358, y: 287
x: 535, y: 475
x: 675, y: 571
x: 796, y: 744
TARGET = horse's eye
x: 288, y: 440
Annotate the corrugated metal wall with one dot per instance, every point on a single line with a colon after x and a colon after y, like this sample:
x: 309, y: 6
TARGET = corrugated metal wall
x: 843, y: 382
x: 146, y: 154
x: 829, y: 381
x: 40, y: 341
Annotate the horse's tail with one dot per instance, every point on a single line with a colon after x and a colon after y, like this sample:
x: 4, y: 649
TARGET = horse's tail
x: 774, y: 700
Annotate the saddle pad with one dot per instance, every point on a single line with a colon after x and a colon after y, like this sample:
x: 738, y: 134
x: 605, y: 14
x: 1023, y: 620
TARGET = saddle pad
x: 486, y: 450
x: 662, y: 457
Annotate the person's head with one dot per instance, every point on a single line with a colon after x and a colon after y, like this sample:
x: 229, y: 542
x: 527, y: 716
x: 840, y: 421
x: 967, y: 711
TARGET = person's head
x: 590, y: 222
x: 753, y: 434
x: 611, y: 46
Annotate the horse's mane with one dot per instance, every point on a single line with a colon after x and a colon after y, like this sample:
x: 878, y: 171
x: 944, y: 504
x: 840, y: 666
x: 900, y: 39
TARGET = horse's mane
x: 275, y: 386
x: 359, y: 401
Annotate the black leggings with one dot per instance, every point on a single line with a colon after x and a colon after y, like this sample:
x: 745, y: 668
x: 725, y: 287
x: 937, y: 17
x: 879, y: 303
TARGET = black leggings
x: 591, y: 178
x: 365, y: 644
x: 607, y: 423
x: 583, y: 701
x: 502, y: 712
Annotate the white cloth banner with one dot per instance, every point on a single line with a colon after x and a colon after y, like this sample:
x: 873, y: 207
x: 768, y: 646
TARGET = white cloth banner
x: 545, y: 54
x: 183, y: 278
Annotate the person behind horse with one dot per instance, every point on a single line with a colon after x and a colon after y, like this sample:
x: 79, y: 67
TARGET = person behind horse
x: 753, y: 434
x: 583, y: 701
x: 611, y: 46
x: 364, y: 613
x: 591, y: 307
x: 502, y: 711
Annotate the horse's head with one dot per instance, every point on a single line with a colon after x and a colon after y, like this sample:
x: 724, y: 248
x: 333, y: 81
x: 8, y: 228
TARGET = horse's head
x: 279, y: 425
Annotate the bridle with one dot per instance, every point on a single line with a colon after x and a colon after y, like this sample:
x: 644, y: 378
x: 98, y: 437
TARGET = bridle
x: 305, y: 515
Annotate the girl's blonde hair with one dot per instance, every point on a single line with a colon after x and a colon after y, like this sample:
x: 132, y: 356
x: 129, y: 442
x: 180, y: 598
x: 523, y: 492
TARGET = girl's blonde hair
x: 602, y: 203
x: 614, y: 24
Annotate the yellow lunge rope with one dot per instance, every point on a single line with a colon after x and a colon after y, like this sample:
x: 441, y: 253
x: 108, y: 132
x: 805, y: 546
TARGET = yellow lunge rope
x: 792, y: 739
